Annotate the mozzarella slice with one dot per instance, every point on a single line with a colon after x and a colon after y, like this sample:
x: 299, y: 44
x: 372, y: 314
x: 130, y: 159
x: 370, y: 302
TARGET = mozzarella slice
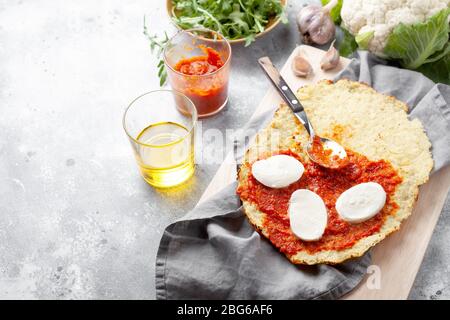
x: 307, y: 215
x: 361, y: 202
x: 277, y: 171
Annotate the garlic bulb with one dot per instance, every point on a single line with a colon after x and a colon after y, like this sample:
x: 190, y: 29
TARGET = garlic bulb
x: 330, y: 59
x: 315, y: 23
x: 300, y: 66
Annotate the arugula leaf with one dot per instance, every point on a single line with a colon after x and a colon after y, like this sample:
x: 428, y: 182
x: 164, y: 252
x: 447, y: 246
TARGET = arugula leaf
x: 335, y: 13
x: 249, y: 39
x: 414, y: 44
x: 348, y: 44
x: 235, y: 19
x: 438, y: 71
x: 157, y: 47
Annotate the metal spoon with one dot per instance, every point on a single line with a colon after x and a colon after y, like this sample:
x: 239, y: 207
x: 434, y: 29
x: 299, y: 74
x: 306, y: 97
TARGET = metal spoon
x: 292, y: 101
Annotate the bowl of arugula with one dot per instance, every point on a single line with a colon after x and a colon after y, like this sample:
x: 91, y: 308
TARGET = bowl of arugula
x: 237, y: 20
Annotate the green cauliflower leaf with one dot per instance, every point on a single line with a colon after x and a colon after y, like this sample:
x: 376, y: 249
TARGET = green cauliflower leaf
x: 348, y: 44
x: 413, y: 45
x: 336, y: 11
x: 363, y: 39
x: 438, y: 71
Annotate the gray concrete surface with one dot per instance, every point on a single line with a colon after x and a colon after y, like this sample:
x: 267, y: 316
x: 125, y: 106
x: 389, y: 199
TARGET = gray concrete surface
x: 77, y: 221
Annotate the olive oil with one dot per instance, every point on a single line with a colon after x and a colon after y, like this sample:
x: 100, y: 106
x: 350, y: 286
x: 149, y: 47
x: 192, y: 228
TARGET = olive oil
x: 165, y: 154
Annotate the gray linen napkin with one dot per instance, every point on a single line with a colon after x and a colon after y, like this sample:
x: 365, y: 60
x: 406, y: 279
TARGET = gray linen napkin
x: 213, y: 253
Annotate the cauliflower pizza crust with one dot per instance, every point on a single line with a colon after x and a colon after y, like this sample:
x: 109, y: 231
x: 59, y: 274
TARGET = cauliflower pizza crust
x: 363, y: 121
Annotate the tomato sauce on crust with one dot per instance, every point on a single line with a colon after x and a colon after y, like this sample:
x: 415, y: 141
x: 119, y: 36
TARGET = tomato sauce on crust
x: 328, y: 184
x: 325, y: 156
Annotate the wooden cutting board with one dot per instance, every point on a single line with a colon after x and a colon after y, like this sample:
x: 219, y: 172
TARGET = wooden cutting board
x: 397, y: 258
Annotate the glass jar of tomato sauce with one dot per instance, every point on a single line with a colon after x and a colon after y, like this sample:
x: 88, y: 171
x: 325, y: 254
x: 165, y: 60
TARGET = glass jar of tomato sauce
x: 198, y: 65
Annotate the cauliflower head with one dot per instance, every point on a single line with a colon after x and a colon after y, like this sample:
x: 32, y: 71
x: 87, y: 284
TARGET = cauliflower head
x: 371, y: 21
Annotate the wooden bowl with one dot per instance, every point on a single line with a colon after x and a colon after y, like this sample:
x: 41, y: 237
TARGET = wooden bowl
x: 273, y: 22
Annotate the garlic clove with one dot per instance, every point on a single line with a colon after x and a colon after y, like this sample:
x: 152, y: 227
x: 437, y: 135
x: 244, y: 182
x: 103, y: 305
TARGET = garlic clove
x: 301, y: 66
x: 330, y: 59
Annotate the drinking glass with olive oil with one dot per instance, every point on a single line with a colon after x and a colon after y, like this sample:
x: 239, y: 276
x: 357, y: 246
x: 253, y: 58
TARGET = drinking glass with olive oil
x: 160, y: 126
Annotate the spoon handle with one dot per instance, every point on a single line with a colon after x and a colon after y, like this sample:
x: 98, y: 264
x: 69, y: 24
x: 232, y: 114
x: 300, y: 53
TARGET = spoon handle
x: 286, y: 93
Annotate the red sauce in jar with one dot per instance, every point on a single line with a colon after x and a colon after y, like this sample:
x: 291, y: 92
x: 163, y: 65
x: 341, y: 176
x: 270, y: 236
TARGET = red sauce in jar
x: 199, y: 65
x: 328, y: 184
x: 207, y: 93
